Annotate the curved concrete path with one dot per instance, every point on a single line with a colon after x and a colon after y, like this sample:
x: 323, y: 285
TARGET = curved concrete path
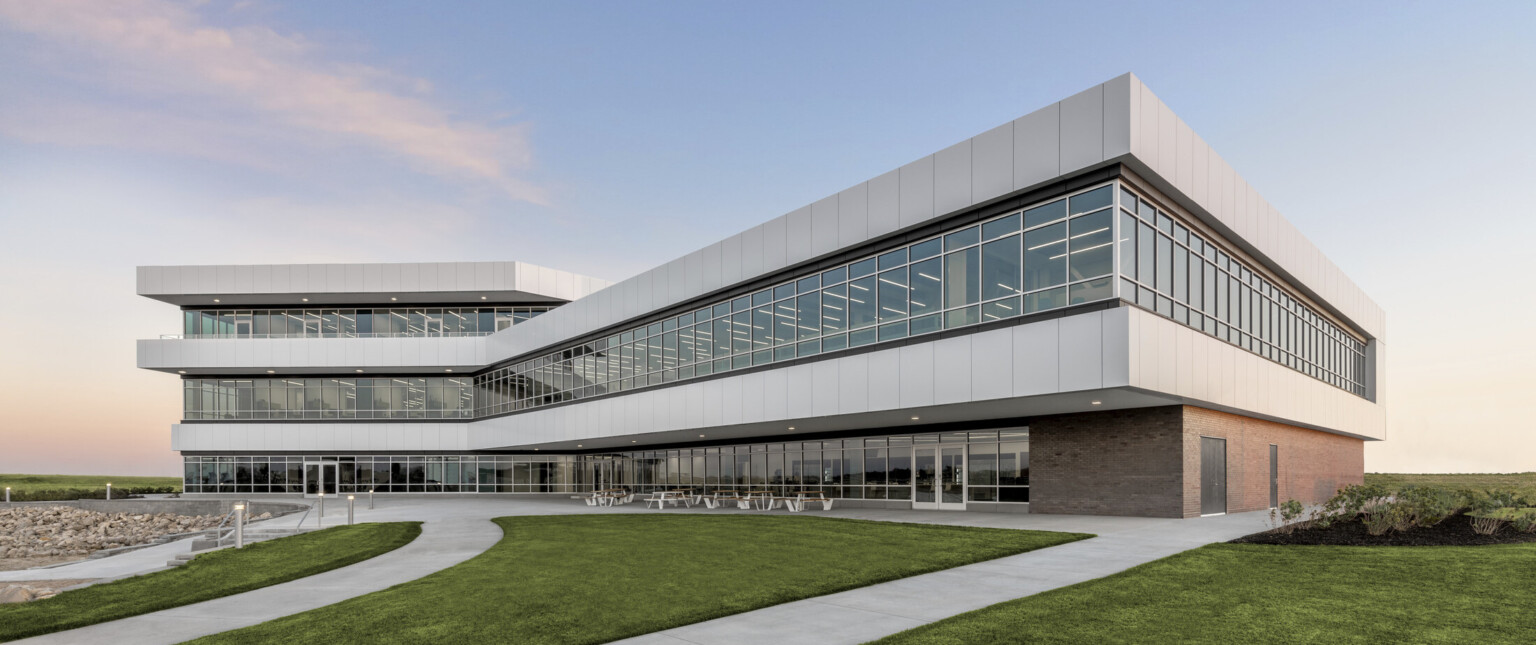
x: 457, y: 529
x: 444, y: 542
x: 868, y: 613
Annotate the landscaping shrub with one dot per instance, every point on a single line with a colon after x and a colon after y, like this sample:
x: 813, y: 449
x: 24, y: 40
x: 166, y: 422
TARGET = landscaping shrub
x: 1428, y: 505
x: 1385, y: 517
x: 1524, y: 522
x: 1494, y: 508
x: 1284, y: 517
x: 1349, y: 503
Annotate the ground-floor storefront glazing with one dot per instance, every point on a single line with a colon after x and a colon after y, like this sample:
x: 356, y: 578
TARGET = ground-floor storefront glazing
x: 943, y: 469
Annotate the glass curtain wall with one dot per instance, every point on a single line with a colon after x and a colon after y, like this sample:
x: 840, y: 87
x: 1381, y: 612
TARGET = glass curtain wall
x: 1044, y: 257
x: 353, y: 323
x: 1170, y: 269
x: 863, y: 468
x: 401, y: 397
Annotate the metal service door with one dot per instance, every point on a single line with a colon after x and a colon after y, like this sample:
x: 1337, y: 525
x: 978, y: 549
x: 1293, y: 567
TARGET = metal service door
x: 1274, y: 476
x: 1213, y: 476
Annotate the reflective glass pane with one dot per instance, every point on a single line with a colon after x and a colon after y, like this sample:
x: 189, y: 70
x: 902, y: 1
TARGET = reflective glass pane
x: 927, y: 287
x: 1045, y: 257
x: 962, y: 277
x: 1091, y: 246
x: 1000, y: 268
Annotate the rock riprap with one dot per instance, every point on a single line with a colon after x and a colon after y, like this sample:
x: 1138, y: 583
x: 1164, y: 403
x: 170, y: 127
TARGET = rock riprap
x: 32, y: 531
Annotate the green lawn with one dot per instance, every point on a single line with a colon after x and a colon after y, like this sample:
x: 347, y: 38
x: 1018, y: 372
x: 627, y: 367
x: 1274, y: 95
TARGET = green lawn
x: 208, y: 576
x: 1524, y: 482
x: 597, y: 578
x: 30, y: 483
x: 1239, y: 593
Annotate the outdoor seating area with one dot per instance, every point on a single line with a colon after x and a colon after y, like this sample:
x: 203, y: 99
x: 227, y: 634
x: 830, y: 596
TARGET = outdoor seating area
x: 607, y: 497
x: 760, y: 500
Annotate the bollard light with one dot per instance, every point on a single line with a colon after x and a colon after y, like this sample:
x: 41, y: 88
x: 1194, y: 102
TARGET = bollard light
x: 109, y: 491
x: 239, y: 526
x: 370, y: 499
x: 7, y: 494
x: 320, y: 519
x: 349, y: 510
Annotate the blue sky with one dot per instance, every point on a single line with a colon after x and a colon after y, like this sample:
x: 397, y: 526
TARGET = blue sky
x: 606, y: 138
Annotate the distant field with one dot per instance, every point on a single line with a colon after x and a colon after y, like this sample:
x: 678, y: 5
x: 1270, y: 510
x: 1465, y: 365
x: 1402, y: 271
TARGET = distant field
x: 30, y: 483
x: 1525, y: 482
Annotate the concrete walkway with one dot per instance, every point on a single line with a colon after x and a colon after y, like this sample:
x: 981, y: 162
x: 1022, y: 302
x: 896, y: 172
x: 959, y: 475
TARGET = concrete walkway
x: 444, y: 541
x: 868, y: 613
x: 456, y: 529
x: 143, y: 560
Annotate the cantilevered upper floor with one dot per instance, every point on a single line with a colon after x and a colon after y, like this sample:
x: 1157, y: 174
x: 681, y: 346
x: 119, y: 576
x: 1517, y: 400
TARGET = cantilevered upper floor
x: 407, y: 283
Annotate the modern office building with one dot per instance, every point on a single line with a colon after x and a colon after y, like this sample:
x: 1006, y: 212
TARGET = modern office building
x: 1084, y: 310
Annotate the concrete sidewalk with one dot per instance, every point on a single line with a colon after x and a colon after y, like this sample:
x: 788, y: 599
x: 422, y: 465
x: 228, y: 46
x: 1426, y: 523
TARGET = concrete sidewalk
x: 458, y: 529
x: 442, y: 543
x: 865, y: 614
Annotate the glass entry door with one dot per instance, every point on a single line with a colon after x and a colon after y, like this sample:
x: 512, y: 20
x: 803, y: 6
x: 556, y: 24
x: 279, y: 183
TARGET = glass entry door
x: 319, y: 477
x: 938, y: 478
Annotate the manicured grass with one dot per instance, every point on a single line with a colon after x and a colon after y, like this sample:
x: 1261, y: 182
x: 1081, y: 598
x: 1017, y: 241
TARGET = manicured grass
x: 1238, y: 593
x: 1524, y: 482
x: 597, y: 578
x: 29, y: 483
x: 208, y: 576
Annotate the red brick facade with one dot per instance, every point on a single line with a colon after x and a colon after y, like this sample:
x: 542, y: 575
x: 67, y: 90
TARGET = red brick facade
x: 1313, y: 465
x: 1146, y: 462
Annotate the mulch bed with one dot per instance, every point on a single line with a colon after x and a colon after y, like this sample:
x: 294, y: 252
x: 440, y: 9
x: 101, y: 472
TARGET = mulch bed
x: 1454, y: 531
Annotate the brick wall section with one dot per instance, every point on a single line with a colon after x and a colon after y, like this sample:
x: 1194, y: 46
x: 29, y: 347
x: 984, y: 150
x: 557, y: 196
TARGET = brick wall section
x: 1146, y: 462
x: 1119, y: 462
x: 1313, y: 464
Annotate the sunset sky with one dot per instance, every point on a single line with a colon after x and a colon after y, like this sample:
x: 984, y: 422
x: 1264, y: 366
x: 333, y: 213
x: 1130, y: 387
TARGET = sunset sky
x: 605, y: 138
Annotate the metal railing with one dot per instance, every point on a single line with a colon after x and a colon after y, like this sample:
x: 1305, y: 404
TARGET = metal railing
x: 323, y: 335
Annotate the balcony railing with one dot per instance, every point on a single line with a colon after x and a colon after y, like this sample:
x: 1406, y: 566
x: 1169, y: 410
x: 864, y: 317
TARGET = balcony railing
x: 420, y: 334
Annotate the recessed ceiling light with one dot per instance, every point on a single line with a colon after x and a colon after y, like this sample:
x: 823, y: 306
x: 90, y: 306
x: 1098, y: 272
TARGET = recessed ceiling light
x: 791, y: 427
x: 215, y: 299
x: 447, y: 370
x: 393, y: 298
x: 914, y: 418
x: 578, y: 445
x: 304, y: 299
x: 359, y: 371
x: 1098, y: 402
x: 181, y: 371
x: 482, y: 297
x: 634, y: 441
x: 701, y: 436
x: 271, y: 371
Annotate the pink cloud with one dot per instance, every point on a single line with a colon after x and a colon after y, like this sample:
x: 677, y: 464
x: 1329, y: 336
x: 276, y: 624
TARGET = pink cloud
x: 165, y: 49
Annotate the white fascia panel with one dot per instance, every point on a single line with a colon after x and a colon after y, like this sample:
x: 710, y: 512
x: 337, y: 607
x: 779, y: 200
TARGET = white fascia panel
x: 799, y: 389
x: 884, y: 379
x: 992, y: 163
x: 916, y: 201
x: 853, y: 215
x: 952, y: 370
x: 1082, y: 129
x: 1209, y: 372
x: 852, y: 384
x: 1036, y: 358
x: 952, y: 178
x: 824, y: 231
x: 884, y: 203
